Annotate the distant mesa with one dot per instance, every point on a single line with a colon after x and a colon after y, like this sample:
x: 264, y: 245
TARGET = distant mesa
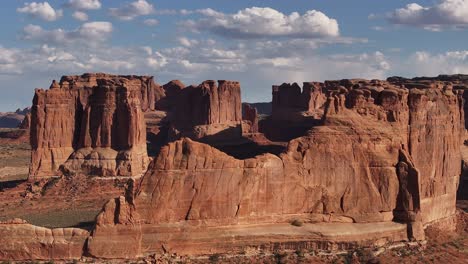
x: 14, y: 119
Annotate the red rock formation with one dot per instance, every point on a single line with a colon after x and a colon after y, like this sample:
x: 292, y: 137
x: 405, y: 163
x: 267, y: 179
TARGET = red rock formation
x: 289, y: 97
x: 207, y: 111
x: 94, y: 123
x: 207, y: 104
x: 250, y: 118
x: 22, y: 241
x: 26, y: 123
x: 91, y: 124
x: 367, y: 152
x: 377, y: 156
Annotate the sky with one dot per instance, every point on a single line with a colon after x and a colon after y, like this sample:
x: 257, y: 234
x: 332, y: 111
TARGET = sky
x: 259, y: 43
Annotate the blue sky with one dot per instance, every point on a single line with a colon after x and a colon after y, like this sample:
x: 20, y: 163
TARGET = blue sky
x: 258, y: 43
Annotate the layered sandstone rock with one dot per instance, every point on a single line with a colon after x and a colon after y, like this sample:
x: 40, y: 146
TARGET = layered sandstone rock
x: 209, y: 111
x: 94, y: 124
x: 292, y: 97
x: 22, y: 241
x: 294, y: 110
x: 383, y: 151
x: 91, y: 124
x: 359, y: 154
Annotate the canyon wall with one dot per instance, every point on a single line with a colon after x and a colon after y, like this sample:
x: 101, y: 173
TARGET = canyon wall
x: 382, y: 151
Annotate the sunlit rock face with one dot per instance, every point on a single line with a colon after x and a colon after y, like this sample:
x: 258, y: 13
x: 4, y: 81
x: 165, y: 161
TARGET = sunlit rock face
x: 91, y: 124
x: 377, y: 152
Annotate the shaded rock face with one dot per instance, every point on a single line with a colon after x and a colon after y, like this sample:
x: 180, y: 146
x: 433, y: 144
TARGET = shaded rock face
x: 210, y: 111
x: 250, y: 117
x: 91, y: 124
x: 294, y: 110
x: 262, y: 108
x: 291, y: 96
x: 383, y: 151
x: 14, y: 119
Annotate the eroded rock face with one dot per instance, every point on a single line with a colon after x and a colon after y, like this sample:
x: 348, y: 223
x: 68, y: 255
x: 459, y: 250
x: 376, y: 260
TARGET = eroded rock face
x: 382, y: 152
x: 22, y: 241
x: 210, y: 111
x: 91, y: 124
x: 250, y: 119
x: 358, y: 151
x: 94, y: 124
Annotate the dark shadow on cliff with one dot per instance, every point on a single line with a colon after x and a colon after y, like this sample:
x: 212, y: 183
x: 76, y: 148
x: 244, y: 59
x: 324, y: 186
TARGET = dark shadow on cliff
x: 155, y: 140
x: 250, y: 149
x: 232, y: 143
x: 287, y: 130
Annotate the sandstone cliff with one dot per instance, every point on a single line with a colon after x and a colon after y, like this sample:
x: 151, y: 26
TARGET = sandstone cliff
x: 208, y: 111
x: 381, y: 151
x: 91, y: 124
x: 95, y: 124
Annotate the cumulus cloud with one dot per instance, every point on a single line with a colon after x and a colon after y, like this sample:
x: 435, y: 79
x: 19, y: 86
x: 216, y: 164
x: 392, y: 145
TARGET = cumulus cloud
x: 80, y: 16
x: 8, y: 61
x: 187, y: 42
x: 429, y: 64
x: 131, y: 10
x: 435, y: 17
x: 42, y: 11
x: 151, y: 22
x: 84, y: 4
x: 258, y: 22
x: 89, y: 33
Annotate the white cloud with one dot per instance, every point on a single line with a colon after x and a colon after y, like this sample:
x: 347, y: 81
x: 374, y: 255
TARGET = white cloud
x: 378, y: 28
x: 131, y: 10
x: 151, y: 22
x: 42, y: 11
x: 446, y: 13
x: 95, y: 29
x: 166, y: 12
x: 84, y: 4
x: 9, y: 61
x: 428, y: 64
x: 89, y: 33
x: 187, y: 42
x: 257, y: 22
x: 80, y: 16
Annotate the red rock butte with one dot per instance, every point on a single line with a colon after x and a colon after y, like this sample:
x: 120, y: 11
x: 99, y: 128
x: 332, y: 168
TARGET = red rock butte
x: 359, y: 162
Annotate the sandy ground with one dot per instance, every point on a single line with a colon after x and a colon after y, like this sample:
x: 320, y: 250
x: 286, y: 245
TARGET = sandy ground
x: 14, y: 160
